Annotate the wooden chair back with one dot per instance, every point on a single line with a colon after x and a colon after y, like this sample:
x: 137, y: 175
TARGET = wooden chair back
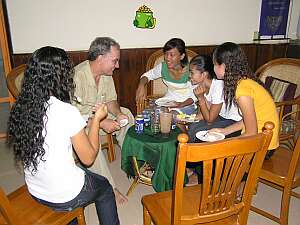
x: 14, y: 80
x: 225, y: 163
x: 7, y: 215
x: 289, y: 123
x: 282, y: 68
x: 19, y: 208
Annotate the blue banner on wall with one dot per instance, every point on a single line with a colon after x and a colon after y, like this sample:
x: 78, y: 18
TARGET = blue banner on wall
x: 274, y: 17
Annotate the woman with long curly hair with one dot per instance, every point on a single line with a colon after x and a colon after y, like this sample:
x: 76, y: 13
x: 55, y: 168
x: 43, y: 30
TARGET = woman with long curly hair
x: 243, y: 89
x: 42, y: 128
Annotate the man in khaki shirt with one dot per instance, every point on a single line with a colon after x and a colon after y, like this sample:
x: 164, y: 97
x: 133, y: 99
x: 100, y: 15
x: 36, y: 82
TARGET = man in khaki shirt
x: 94, y: 84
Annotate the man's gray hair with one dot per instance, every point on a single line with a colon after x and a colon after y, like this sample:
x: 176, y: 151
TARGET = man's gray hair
x: 101, y: 46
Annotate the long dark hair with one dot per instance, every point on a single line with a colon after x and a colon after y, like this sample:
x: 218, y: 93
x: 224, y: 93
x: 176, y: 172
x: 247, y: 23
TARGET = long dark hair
x: 180, y: 46
x: 49, y: 72
x: 236, y: 68
x: 204, y: 63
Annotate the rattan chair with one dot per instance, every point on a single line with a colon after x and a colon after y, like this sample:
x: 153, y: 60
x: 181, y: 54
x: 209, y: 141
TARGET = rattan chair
x: 216, y: 200
x: 289, y: 122
x: 157, y: 88
x: 287, y: 69
x: 14, y: 84
x: 19, y: 208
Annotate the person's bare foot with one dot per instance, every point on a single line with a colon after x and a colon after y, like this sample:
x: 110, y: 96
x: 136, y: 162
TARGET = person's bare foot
x: 120, y: 198
x: 193, y: 180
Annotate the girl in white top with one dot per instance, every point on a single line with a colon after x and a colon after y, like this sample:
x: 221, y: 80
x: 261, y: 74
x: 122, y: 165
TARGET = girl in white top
x: 44, y: 128
x: 212, y: 111
x: 174, y: 72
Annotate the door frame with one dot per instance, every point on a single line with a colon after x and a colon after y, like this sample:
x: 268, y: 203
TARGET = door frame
x: 5, y: 54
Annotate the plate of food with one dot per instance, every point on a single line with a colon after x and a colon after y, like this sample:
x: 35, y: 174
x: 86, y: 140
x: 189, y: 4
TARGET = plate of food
x: 187, y: 118
x: 209, y: 136
x: 166, y: 102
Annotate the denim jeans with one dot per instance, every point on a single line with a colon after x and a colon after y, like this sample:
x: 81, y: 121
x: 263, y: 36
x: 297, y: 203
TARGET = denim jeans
x: 189, y: 109
x: 220, y: 122
x: 96, y: 189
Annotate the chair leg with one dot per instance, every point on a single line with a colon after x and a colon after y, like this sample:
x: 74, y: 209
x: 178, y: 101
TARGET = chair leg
x: 146, y: 216
x: 133, y: 185
x: 80, y: 218
x: 111, y: 149
x: 285, y: 203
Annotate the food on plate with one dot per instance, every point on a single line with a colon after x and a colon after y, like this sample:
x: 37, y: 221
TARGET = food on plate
x: 186, y: 117
x: 213, y: 136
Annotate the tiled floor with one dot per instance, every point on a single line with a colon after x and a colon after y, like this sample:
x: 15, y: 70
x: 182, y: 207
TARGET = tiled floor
x: 131, y: 213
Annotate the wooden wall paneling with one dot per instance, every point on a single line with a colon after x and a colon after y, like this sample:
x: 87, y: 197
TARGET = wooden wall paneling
x: 250, y: 51
x: 133, y: 65
x: 267, y: 52
x: 5, y: 99
x: 203, y: 50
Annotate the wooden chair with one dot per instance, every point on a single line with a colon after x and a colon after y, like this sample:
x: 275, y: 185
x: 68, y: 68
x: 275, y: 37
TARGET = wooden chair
x: 14, y: 84
x: 215, y: 201
x: 157, y: 88
x: 289, y: 122
x: 286, y: 69
x: 19, y: 208
x: 282, y: 171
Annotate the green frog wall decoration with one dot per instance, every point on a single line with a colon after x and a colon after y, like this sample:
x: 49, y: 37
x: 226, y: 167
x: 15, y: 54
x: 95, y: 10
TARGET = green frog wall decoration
x: 144, y: 18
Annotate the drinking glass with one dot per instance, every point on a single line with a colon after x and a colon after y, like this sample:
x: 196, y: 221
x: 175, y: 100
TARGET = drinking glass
x: 165, y: 123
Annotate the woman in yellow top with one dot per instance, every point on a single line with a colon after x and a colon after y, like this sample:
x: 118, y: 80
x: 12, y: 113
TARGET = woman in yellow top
x: 242, y: 88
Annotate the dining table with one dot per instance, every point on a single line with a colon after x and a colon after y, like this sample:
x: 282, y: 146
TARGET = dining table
x: 158, y: 151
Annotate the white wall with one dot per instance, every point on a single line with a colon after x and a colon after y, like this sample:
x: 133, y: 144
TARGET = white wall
x: 73, y: 24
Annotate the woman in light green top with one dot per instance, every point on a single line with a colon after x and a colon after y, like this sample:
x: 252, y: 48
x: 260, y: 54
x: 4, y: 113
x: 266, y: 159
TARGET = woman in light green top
x: 174, y: 72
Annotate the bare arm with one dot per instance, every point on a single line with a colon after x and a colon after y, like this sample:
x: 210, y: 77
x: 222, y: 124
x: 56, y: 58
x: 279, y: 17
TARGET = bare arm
x: 141, y: 90
x: 211, y: 113
x: 113, y: 107
x: 230, y: 129
x: 110, y: 125
x: 87, y: 146
x: 246, y: 105
x: 249, y: 121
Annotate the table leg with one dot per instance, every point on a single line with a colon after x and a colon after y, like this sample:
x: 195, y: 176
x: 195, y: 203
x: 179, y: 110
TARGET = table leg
x: 139, y: 176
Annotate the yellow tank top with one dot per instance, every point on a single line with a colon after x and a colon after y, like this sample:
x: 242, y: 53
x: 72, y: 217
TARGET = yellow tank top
x: 264, y: 105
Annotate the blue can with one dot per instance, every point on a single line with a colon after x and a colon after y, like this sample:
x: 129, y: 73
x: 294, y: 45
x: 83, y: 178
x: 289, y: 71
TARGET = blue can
x: 139, y: 124
x: 146, y: 114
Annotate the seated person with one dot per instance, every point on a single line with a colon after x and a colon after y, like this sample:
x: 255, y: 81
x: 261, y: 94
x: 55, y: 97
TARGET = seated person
x: 243, y: 88
x: 93, y: 80
x: 174, y: 72
x: 42, y: 129
x: 212, y: 111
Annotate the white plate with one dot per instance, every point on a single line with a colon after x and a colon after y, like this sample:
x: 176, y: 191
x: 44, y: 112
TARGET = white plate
x: 123, y: 122
x: 164, y: 102
x: 203, y: 135
x: 187, y: 120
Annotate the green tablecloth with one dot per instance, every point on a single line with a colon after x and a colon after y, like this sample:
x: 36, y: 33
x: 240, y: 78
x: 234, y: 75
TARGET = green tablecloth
x: 158, y: 151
